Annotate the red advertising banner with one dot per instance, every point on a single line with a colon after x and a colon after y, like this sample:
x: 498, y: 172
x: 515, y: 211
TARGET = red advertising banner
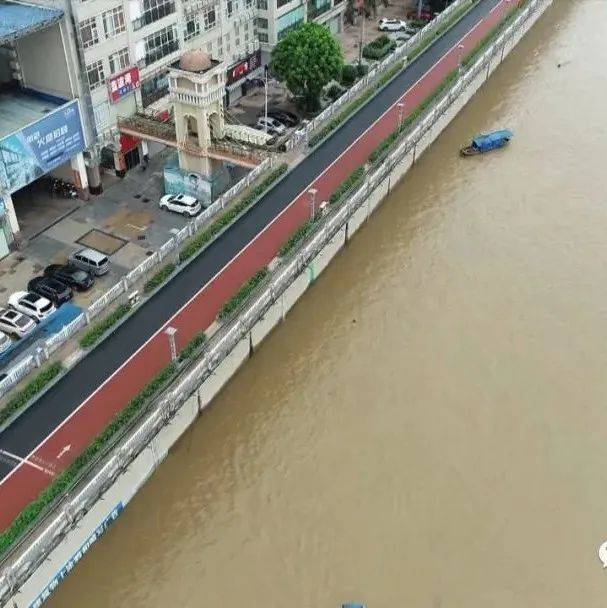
x: 242, y: 68
x: 123, y: 83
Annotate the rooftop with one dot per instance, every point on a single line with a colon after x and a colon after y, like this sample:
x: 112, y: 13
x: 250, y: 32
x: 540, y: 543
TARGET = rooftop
x: 21, y: 107
x: 19, y: 20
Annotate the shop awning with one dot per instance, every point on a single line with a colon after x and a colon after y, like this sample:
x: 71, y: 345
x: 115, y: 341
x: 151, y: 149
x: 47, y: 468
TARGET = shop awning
x: 19, y: 20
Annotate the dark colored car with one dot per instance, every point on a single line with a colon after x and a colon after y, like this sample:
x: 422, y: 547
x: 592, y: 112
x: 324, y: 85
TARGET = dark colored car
x: 72, y: 276
x: 56, y: 291
x: 286, y: 118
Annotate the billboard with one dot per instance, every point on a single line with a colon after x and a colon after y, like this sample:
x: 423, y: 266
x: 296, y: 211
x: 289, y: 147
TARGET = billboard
x: 178, y: 181
x: 242, y: 68
x: 124, y: 83
x: 40, y: 147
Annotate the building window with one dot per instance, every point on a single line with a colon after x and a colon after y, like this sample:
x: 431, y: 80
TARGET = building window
x: 119, y: 61
x: 289, y: 21
x: 263, y: 37
x: 113, y: 22
x: 262, y: 5
x: 262, y: 23
x: 154, y: 88
x: 230, y: 6
x: 152, y: 11
x: 95, y: 74
x: 160, y: 44
x: 192, y: 28
x: 101, y: 113
x: 88, y: 32
x: 209, y: 17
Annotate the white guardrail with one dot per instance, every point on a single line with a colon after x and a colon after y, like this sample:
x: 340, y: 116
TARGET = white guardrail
x: 44, y: 350
x: 19, y: 566
x: 24, y: 366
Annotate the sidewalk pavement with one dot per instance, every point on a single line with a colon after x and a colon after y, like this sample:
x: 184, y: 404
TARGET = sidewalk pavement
x: 124, y: 222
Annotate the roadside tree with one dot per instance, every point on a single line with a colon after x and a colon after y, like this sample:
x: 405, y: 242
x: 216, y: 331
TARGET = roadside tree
x: 306, y: 60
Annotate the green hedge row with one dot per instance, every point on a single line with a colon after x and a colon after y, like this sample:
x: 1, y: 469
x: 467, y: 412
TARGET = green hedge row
x: 387, y: 143
x: 94, y: 334
x: 243, y: 293
x: 352, y: 107
x: 199, y: 241
x: 30, y: 390
x: 159, y: 278
x: 379, y: 48
x: 350, y: 182
x: 66, y: 479
x: 29, y: 515
x: 296, y: 238
x: 192, y: 347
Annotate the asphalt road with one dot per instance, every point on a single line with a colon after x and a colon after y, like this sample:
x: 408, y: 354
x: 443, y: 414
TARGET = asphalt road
x: 49, y: 411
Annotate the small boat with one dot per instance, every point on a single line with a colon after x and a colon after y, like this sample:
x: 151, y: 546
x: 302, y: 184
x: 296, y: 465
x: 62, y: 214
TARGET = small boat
x: 485, y: 143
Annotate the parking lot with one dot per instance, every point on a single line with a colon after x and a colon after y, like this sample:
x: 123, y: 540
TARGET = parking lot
x: 125, y: 222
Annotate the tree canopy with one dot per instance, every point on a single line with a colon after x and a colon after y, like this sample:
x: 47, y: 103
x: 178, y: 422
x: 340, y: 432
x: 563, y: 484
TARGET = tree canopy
x: 306, y: 60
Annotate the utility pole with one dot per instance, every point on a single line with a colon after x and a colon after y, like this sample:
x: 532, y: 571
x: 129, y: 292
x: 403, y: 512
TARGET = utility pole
x: 362, y: 35
x: 265, y: 82
x: 312, y: 192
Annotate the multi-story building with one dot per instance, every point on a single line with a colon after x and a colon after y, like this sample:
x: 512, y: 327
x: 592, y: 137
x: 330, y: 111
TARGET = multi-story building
x: 126, y: 47
x: 276, y: 18
x: 43, y: 124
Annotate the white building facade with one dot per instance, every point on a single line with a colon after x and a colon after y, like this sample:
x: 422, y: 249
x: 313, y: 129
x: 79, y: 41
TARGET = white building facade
x: 276, y: 18
x: 127, y: 46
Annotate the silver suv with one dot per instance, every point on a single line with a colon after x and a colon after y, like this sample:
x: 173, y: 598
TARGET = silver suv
x: 90, y: 260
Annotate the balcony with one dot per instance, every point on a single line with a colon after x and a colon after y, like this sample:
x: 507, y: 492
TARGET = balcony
x: 315, y: 10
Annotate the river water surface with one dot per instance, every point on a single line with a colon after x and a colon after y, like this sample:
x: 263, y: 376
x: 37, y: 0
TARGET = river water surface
x: 429, y: 427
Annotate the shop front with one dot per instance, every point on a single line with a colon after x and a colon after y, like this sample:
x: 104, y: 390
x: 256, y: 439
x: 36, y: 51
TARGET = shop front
x: 239, y: 75
x: 52, y: 143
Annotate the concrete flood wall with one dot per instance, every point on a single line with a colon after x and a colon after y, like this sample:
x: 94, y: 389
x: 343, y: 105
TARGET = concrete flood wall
x: 101, y: 515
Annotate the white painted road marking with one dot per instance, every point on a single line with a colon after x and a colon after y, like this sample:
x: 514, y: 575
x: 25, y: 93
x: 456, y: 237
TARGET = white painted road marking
x: 64, y: 450
x: 27, y: 461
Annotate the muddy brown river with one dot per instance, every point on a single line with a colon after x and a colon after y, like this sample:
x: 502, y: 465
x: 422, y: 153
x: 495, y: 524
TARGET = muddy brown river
x: 429, y: 427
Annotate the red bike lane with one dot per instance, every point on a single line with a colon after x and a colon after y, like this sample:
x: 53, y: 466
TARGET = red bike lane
x: 62, y: 447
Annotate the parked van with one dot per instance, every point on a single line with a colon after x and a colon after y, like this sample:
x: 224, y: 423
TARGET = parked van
x: 90, y: 260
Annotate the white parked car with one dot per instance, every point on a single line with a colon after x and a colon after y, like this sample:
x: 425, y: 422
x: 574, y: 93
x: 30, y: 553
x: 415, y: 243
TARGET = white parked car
x: 5, y: 342
x: 181, y: 203
x: 270, y: 125
x: 392, y: 25
x: 14, y: 323
x: 31, y: 304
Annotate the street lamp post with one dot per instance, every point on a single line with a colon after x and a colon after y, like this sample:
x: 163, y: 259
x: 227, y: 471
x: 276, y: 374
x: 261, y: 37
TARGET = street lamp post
x: 265, y: 112
x: 401, y: 111
x: 460, y: 57
x: 362, y: 36
x: 170, y: 332
x: 312, y: 192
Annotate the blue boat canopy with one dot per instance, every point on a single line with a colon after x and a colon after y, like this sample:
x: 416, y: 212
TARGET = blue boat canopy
x: 490, y: 140
x: 19, y: 20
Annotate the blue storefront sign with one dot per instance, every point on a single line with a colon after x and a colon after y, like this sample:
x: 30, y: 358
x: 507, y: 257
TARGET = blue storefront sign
x: 40, y: 147
x: 69, y: 565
